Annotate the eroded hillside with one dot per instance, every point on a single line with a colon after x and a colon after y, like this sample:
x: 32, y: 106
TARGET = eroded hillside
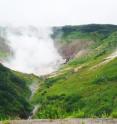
x: 86, y: 85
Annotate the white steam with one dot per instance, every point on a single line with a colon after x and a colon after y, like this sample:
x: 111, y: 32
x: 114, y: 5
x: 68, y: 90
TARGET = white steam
x: 33, y: 50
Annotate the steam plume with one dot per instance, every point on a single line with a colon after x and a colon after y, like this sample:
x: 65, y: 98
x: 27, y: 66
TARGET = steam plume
x: 33, y: 50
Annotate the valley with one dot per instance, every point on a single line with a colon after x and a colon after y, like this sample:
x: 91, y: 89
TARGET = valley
x: 84, y: 86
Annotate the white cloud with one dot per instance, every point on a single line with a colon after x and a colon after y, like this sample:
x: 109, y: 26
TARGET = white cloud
x: 34, y: 50
x: 44, y: 56
x: 57, y: 12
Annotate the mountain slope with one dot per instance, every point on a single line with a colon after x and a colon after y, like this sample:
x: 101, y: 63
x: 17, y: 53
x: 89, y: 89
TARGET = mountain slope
x: 86, y: 85
x: 14, y: 95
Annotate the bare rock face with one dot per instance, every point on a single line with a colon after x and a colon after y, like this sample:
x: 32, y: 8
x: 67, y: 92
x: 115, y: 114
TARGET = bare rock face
x: 76, y: 48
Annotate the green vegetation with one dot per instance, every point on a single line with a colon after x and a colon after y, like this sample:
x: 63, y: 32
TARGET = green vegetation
x: 84, y: 87
x: 93, y: 32
x: 89, y: 88
x: 5, y: 122
x: 86, y: 93
x: 3, y: 55
x: 14, y: 95
x: 4, y: 48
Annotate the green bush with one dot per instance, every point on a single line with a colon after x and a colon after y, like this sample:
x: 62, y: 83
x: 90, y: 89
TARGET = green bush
x: 6, y: 122
x: 114, y: 114
x: 79, y: 114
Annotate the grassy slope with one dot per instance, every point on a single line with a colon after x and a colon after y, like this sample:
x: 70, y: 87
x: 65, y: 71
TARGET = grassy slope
x: 87, y: 92
x: 83, y: 93
x: 14, y: 94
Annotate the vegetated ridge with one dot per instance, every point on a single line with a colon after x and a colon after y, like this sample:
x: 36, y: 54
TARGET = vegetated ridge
x: 84, y: 86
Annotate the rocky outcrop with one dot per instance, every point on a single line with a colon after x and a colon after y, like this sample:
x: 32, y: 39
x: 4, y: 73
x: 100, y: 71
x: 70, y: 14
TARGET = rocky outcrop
x: 73, y: 49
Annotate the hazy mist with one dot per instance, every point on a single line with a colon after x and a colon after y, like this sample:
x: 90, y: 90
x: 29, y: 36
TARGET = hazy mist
x: 33, y: 50
x: 57, y: 12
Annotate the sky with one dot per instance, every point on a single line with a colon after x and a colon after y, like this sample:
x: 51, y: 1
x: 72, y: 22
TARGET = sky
x: 57, y: 12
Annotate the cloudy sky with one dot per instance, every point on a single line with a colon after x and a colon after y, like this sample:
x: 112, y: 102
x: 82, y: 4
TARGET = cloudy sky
x: 57, y: 12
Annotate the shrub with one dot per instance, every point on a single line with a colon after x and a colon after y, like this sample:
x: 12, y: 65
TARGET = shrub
x: 114, y: 114
x: 104, y: 115
x: 6, y: 122
x: 79, y: 114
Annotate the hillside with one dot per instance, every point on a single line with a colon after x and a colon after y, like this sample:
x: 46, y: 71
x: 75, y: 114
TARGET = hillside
x: 73, y: 39
x: 14, y: 95
x: 86, y: 85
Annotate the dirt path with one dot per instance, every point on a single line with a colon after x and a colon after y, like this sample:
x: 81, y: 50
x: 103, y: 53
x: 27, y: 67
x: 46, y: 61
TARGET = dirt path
x: 60, y: 72
x: 106, y: 60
